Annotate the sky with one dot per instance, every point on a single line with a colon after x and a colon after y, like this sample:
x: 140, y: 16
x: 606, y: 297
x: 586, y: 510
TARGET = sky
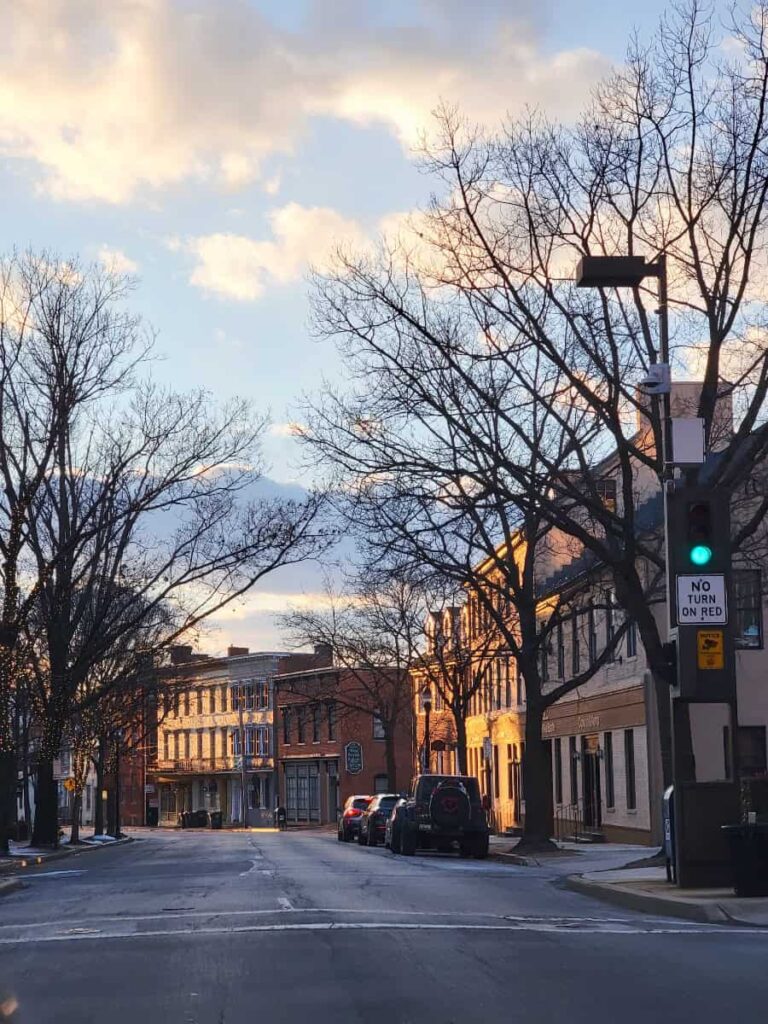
x: 216, y: 149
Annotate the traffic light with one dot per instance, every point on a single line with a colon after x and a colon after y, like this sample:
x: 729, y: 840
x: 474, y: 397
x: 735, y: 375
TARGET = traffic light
x: 699, y: 533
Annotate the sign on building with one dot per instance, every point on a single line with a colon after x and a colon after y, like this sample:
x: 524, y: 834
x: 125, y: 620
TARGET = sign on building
x: 701, y: 600
x: 710, y: 649
x: 353, y: 758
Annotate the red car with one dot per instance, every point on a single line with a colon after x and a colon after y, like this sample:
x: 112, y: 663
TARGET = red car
x: 349, y: 819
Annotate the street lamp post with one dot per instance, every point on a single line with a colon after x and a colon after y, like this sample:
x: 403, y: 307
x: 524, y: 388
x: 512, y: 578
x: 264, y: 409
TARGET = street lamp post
x: 426, y: 702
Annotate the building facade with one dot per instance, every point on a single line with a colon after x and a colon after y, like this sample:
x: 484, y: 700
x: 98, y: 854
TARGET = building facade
x: 329, y: 748
x: 215, y: 737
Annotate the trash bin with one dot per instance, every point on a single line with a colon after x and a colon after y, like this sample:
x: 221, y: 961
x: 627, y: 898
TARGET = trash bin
x: 281, y: 818
x: 153, y: 816
x: 215, y: 819
x: 184, y: 819
x: 749, y: 858
x: 668, y: 818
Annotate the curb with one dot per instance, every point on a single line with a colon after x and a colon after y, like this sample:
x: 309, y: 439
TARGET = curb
x: 9, y: 886
x: 647, y: 903
x: 60, y: 854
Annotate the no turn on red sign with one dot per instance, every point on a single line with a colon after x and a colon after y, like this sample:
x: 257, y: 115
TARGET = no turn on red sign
x: 701, y: 600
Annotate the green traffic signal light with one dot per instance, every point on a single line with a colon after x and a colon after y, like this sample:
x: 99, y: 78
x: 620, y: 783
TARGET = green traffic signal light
x: 701, y: 554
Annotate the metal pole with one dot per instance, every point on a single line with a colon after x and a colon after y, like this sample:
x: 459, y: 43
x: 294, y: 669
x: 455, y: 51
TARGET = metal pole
x: 427, y: 766
x: 243, y: 794
x: 117, y: 784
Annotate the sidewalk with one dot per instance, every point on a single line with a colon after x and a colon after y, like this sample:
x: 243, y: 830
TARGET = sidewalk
x: 25, y: 856
x: 647, y: 890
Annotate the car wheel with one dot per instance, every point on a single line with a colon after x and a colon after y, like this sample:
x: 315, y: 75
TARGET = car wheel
x: 360, y: 839
x: 480, y: 848
x: 371, y: 839
x: 339, y: 836
x: 465, y: 848
x: 408, y: 843
x: 394, y: 842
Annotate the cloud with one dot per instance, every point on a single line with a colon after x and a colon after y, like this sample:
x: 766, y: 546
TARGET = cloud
x: 137, y: 95
x: 238, y: 267
x: 116, y: 260
x: 285, y: 429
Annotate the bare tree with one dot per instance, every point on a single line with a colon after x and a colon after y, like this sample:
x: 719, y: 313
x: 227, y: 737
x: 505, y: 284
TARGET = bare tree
x: 372, y: 632
x: 441, y: 453
x: 147, y: 500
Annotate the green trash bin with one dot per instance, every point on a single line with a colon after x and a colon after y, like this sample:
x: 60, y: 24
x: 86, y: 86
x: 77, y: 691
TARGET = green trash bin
x: 215, y: 819
x: 749, y: 858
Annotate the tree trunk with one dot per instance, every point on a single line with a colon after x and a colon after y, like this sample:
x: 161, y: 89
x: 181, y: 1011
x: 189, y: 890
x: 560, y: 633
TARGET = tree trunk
x: 391, y: 760
x: 8, y: 774
x: 537, y: 786
x: 461, y: 740
x: 77, y: 803
x: 46, y: 830
x: 98, y: 815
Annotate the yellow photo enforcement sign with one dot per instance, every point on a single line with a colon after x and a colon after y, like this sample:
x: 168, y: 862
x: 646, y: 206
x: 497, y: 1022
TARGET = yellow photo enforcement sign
x: 709, y: 647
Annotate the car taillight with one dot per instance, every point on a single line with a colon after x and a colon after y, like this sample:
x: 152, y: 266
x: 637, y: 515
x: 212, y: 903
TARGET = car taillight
x: 352, y: 812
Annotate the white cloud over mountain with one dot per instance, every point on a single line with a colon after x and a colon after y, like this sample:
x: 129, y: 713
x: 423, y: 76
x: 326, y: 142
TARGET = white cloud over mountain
x: 108, y: 101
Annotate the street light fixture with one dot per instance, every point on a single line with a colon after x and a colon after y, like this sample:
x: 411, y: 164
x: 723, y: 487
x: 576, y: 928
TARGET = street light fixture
x: 426, y: 703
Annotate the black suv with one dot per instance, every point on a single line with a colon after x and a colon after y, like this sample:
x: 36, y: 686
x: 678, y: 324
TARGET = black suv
x: 441, y: 810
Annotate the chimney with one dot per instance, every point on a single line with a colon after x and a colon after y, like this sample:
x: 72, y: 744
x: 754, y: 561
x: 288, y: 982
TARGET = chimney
x: 324, y: 655
x: 237, y: 652
x: 181, y: 653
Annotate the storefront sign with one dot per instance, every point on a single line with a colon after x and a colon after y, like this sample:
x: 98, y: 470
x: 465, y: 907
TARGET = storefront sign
x: 353, y: 758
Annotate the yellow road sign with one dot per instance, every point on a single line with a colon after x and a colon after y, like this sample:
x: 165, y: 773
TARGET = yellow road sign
x: 710, y: 645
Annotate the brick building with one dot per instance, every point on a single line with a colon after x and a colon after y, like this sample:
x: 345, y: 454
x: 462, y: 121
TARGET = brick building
x: 328, y: 750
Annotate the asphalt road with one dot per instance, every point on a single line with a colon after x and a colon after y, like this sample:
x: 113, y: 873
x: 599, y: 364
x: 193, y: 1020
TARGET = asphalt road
x: 228, y: 928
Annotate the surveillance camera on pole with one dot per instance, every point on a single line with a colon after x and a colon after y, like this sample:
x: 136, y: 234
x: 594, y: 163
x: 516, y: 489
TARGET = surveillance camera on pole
x: 657, y: 380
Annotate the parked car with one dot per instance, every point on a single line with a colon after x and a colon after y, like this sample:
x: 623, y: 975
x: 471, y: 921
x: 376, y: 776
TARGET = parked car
x: 373, y: 822
x: 349, y: 819
x: 441, y: 810
x: 392, y: 830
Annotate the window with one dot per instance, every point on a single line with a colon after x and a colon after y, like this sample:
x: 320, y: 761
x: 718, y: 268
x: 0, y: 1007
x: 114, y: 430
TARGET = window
x: 609, y: 621
x: 212, y: 700
x: 300, y: 725
x: 224, y: 689
x: 575, y: 652
x: 610, y: 792
x: 629, y: 768
x: 558, y: 748
x: 572, y: 761
x: 331, y: 720
x: 262, y: 695
x: 199, y: 744
x: 439, y: 703
x: 544, y: 658
x: 507, y: 684
x: 748, y: 611
x: 381, y: 784
x: 166, y: 746
x: 316, y: 714
x: 234, y: 742
x: 632, y: 639
x: 186, y: 703
x: 752, y: 751
x: 257, y: 740
x: 286, y: 725
x: 592, y: 635
x: 378, y: 727
x: 212, y: 743
x: 606, y: 491
x: 199, y: 702
x: 560, y: 652
x: 496, y: 782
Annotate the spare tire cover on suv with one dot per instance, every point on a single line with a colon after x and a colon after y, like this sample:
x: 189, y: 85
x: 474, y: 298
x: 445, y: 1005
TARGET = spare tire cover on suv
x: 449, y: 806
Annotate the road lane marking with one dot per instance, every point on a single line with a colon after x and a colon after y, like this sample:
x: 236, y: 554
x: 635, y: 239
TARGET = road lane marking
x: 49, y: 874
x: 332, y: 926
x: 179, y: 913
